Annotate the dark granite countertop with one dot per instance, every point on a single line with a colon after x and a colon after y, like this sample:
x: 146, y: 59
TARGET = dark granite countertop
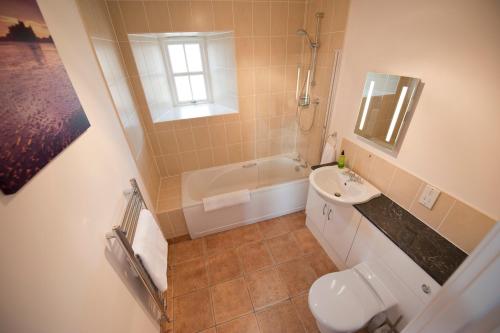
x: 432, y: 252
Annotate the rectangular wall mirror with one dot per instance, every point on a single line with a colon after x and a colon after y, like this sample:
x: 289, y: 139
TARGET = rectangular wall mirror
x: 385, y: 106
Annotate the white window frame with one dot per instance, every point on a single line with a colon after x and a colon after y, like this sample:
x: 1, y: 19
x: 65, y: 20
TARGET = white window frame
x: 170, y: 73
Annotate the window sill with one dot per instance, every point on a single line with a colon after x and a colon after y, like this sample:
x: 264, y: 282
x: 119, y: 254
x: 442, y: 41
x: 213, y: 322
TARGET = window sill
x: 192, y: 111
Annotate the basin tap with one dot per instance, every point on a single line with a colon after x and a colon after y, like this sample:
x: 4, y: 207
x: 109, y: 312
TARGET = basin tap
x: 353, y: 177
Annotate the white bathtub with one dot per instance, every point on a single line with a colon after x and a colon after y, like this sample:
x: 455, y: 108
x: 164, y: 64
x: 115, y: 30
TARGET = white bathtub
x: 277, y: 184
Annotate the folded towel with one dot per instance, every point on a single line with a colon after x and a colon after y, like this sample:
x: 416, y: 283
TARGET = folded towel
x: 328, y: 155
x: 226, y: 200
x: 152, y: 248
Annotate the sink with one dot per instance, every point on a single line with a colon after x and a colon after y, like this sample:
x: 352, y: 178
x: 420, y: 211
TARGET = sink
x: 337, y: 186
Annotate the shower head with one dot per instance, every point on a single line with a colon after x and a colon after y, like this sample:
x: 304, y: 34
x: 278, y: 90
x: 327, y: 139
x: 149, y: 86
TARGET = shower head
x: 302, y: 32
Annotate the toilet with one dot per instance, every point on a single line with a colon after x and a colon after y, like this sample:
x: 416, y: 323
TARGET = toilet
x: 346, y: 301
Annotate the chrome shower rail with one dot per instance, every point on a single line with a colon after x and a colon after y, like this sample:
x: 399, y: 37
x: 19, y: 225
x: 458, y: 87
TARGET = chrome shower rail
x: 124, y: 234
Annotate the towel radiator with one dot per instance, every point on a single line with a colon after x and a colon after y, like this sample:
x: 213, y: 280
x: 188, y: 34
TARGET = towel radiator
x: 124, y: 234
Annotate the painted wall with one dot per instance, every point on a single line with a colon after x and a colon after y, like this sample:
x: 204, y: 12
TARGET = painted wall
x: 56, y: 274
x: 100, y: 30
x: 453, y: 46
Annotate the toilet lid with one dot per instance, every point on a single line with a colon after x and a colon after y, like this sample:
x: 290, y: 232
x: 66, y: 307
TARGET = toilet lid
x: 342, y: 301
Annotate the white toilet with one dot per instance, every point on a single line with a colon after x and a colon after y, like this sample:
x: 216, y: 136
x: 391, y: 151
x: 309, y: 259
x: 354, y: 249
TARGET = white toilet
x: 346, y: 301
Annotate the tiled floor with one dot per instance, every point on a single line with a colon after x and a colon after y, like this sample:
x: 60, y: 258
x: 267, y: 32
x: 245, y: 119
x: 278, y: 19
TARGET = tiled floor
x: 250, y: 279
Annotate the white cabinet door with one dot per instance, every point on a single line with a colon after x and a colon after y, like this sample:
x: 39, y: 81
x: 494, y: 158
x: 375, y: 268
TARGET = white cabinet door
x: 316, y: 209
x: 340, y: 229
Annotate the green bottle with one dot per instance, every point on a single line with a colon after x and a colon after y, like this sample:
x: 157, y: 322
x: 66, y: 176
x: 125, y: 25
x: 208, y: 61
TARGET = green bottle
x: 341, y: 160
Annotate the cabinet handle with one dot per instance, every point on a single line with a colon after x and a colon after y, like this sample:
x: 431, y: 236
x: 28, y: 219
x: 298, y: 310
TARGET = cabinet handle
x: 324, y: 209
x: 329, y: 214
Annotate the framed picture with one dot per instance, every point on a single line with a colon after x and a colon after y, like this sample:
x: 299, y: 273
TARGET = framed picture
x: 40, y: 114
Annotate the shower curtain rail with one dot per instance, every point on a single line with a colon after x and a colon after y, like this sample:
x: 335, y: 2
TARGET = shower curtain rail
x: 124, y: 234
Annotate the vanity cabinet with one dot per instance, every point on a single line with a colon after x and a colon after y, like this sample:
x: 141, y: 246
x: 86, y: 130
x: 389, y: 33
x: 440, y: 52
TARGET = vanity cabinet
x: 337, y: 224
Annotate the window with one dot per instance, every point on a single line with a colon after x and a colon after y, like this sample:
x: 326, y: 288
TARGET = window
x: 188, y: 71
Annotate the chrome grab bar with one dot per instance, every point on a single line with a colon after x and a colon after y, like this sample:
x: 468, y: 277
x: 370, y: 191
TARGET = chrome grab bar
x: 249, y: 165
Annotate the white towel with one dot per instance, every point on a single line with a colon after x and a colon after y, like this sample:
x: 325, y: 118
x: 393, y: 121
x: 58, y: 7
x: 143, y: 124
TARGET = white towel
x: 152, y: 248
x: 226, y: 200
x: 328, y: 155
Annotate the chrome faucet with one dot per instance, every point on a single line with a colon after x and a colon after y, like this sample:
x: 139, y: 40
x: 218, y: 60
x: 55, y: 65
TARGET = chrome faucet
x: 353, y: 177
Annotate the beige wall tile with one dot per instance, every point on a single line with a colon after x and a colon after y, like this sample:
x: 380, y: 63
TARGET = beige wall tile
x: 235, y: 153
x: 261, y: 80
x: 432, y: 217
x: 189, y: 161
x: 220, y: 155
x: 172, y: 164
x: 465, y: 226
x: 223, y: 15
x: 205, y: 157
x: 244, y: 52
x: 248, y: 150
x: 262, y: 54
x: 158, y: 16
x: 278, y: 51
x: 245, y: 82
x: 242, y: 18
x: 185, y: 140
x: 404, y: 188
x: 202, y: 16
x: 218, y: 135
x: 134, y: 16
x: 261, y: 19
x: 233, y: 133
x: 341, y: 10
x: 117, y: 20
x: 381, y: 173
x: 168, y: 142
x: 202, y: 137
x: 363, y: 163
x: 279, y: 18
x: 180, y: 15
x: 296, y: 17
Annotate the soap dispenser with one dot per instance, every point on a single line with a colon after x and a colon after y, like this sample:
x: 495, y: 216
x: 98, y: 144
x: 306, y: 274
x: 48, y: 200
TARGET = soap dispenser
x: 341, y: 160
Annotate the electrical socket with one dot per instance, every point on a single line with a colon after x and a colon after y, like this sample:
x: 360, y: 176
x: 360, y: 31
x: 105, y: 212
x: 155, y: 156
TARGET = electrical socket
x: 429, y: 196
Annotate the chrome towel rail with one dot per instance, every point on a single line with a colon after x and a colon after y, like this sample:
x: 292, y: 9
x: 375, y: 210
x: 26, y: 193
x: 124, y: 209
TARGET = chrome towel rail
x: 124, y: 234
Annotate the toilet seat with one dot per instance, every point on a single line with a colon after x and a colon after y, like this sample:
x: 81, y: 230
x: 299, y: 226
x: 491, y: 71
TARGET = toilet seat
x: 345, y: 301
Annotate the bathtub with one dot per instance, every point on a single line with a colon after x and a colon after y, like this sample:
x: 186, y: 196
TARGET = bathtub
x: 278, y: 185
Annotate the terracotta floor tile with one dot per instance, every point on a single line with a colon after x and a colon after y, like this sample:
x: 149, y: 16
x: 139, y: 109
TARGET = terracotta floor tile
x: 187, y: 250
x: 230, y: 300
x: 193, y: 312
x: 284, y: 248
x: 280, y: 318
x: 218, y: 242
x: 246, y: 234
x: 210, y: 330
x: 255, y: 256
x: 321, y: 263
x: 272, y: 228
x: 306, y: 240
x: 169, y: 293
x: 189, y: 276
x: 265, y: 288
x: 297, y: 275
x: 223, y: 266
x: 301, y: 305
x: 295, y: 221
x: 245, y: 324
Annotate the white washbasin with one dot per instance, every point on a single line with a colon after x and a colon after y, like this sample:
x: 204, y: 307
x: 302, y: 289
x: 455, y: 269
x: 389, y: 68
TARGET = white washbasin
x: 338, y: 186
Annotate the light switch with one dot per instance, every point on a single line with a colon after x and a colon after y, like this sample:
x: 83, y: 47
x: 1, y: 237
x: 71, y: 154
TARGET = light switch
x: 429, y: 196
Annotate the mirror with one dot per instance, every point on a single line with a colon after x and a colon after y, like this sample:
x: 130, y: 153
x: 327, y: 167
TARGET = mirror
x: 385, y: 107
x: 186, y: 75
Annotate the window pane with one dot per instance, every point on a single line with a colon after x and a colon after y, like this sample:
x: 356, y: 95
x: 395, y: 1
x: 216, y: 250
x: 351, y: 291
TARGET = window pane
x: 183, y: 88
x: 198, y: 86
x: 193, y: 55
x: 177, y: 59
